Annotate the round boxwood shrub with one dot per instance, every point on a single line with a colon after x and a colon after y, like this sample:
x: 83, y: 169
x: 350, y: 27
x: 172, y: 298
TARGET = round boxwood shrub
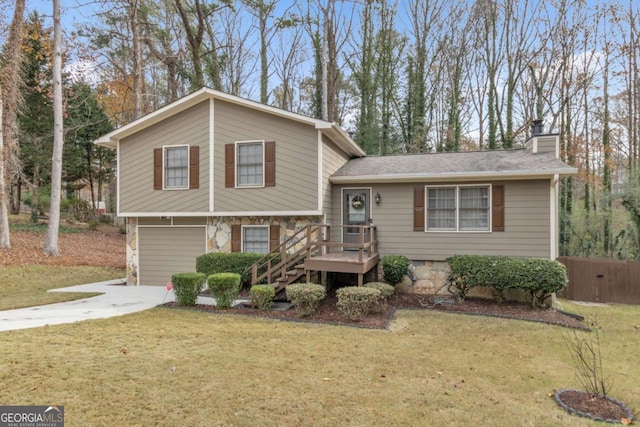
x: 224, y: 288
x: 306, y: 297
x: 355, y: 301
x: 386, y: 292
x: 394, y: 267
x: 187, y: 286
x: 262, y: 296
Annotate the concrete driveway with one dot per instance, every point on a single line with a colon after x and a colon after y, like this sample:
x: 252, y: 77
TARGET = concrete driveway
x: 115, y: 300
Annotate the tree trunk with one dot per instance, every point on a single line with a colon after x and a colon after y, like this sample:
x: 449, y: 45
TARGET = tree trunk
x: 51, y: 240
x: 8, y: 114
x: 138, y: 75
x: 5, y: 239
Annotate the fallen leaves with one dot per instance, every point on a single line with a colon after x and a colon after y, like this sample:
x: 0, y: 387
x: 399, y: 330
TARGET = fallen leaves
x: 104, y: 247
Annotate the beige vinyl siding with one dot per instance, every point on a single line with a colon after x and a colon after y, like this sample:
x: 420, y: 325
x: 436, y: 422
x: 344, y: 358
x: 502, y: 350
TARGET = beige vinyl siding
x: 167, y: 250
x: 527, y: 224
x: 547, y: 144
x: 296, y: 186
x: 136, y: 164
x: 154, y: 221
x: 332, y: 159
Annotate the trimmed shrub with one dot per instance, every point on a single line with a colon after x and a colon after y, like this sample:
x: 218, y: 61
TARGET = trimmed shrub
x: 356, y: 301
x: 262, y: 296
x: 539, y: 277
x: 235, y: 262
x: 224, y: 288
x: 305, y: 297
x: 386, y: 292
x: 187, y: 286
x: 394, y: 267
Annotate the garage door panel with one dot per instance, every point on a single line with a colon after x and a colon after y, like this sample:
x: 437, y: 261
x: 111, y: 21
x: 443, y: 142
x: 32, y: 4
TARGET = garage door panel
x: 163, y: 251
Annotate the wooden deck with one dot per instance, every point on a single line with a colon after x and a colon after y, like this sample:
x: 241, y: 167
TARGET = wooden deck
x: 311, y: 250
x: 342, y: 262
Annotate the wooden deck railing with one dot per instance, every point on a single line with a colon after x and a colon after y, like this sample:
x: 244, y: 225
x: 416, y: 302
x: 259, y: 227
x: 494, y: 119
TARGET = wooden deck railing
x: 309, y: 241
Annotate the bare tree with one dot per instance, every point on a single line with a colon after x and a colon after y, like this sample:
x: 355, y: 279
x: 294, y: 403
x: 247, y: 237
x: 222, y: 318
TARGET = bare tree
x: 51, y: 240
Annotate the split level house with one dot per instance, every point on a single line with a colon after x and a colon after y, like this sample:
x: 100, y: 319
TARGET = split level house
x: 213, y: 172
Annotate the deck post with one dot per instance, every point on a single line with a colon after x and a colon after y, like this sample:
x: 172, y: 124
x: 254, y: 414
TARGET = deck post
x: 327, y: 237
x: 308, y: 275
x: 360, y: 279
x: 360, y: 243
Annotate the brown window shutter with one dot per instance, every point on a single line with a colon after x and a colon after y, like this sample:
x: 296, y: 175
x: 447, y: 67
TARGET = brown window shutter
x: 194, y: 167
x: 236, y: 237
x: 418, y: 209
x: 229, y: 165
x: 270, y: 164
x: 497, y: 207
x: 274, y: 237
x: 157, y: 168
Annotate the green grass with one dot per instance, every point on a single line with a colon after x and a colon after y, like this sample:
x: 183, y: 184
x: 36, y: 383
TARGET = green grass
x: 27, y: 286
x: 174, y: 367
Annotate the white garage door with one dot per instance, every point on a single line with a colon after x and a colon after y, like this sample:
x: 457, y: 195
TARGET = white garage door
x: 163, y: 251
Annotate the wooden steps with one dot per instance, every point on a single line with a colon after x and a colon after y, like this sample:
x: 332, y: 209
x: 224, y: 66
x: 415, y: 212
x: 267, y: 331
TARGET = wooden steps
x: 289, y: 277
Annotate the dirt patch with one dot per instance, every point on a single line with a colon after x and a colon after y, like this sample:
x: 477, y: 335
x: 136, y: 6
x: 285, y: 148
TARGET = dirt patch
x: 104, y: 247
x: 328, y: 312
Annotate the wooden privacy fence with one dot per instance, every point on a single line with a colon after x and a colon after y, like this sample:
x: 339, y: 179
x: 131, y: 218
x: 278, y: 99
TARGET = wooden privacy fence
x: 602, y: 280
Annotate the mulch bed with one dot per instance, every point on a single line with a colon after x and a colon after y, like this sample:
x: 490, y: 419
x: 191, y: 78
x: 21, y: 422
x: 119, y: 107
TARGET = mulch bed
x: 328, y: 312
x: 594, y: 406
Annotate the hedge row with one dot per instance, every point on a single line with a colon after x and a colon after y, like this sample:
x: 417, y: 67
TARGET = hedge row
x: 539, y: 277
x: 235, y: 262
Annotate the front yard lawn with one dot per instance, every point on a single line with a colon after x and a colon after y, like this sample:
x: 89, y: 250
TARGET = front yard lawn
x: 178, y: 367
x: 27, y: 286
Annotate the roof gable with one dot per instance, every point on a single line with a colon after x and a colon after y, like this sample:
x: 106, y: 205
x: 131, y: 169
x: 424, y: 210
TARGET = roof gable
x: 333, y: 131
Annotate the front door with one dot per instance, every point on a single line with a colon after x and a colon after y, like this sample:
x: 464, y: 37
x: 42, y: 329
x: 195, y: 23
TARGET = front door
x: 356, y: 210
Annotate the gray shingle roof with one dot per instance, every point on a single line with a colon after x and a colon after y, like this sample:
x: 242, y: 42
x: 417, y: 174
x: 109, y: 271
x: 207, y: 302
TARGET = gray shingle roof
x: 495, y: 164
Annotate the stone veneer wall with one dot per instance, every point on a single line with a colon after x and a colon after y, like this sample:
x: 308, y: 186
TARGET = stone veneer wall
x: 218, y: 235
x: 219, y: 228
x: 132, y: 251
x: 430, y: 278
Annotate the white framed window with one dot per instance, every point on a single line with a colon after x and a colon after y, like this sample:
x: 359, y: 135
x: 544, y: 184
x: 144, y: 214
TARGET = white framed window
x: 250, y: 164
x: 458, y: 208
x: 176, y: 167
x: 255, y: 239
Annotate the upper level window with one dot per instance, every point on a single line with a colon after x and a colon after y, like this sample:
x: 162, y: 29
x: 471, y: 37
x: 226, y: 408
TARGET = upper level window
x: 255, y: 239
x: 176, y: 167
x: 250, y: 164
x: 458, y: 208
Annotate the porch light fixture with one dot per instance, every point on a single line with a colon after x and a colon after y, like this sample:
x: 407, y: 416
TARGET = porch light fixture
x: 378, y: 198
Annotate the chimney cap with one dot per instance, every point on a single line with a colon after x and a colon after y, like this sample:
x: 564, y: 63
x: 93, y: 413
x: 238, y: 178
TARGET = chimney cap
x: 537, y: 127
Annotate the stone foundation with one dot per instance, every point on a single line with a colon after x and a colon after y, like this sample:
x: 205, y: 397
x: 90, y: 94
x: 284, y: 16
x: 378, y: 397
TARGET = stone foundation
x: 219, y: 228
x: 431, y: 277
x: 132, y: 251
